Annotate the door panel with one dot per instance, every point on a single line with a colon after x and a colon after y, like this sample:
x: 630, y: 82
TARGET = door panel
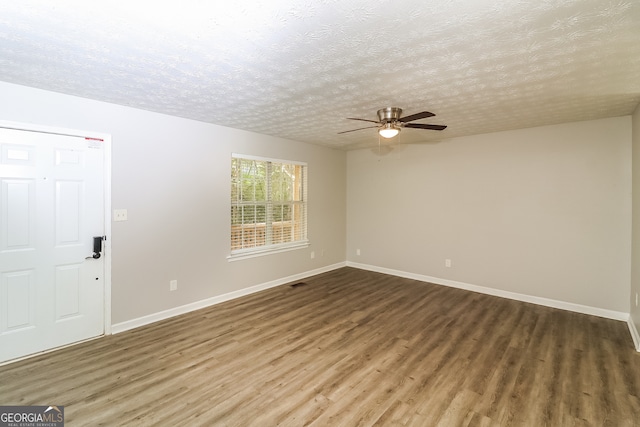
x: 68, y: 288
x: 68, y: 196
x: 52, y: 205
x: 18, y: 288
x: 18, y: 209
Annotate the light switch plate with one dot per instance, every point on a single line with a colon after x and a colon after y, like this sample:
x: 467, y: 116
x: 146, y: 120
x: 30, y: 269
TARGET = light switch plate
x: 119, y: 214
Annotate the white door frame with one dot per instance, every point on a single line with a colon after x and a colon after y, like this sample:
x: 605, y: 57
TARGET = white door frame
x: 106, y: 139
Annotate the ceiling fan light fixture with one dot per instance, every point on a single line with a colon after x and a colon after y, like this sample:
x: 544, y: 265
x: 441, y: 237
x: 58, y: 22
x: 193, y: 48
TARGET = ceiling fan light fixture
x: 388, y: 130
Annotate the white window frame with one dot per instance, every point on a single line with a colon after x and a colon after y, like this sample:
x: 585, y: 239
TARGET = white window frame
x: 271, y: 248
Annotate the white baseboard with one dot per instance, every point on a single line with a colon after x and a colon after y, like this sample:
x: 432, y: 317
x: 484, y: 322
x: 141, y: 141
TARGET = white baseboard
x: 162, y: 315
x: 634, y: 333
x: 594, y: 311
x: 584, y: 309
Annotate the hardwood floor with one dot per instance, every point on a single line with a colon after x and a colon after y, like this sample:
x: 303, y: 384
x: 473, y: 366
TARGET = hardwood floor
x: 347, y: 348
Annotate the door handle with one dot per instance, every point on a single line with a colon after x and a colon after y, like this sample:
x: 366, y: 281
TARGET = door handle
x: 97, y: 247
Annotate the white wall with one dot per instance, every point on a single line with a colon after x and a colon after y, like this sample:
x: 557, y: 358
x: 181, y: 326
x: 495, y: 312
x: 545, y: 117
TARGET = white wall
x: 544, y: 212
x: 635, y: 257
x: 172, y: 175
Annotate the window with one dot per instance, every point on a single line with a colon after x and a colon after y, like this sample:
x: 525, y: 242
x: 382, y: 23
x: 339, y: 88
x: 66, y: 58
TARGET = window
x: 268, y: 206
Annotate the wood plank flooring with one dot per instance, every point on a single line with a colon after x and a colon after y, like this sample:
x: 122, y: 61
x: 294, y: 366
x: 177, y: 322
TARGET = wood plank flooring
x: 347, y: 348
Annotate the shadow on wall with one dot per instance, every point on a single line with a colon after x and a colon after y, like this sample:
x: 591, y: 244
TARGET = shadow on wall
x: 386, y: 147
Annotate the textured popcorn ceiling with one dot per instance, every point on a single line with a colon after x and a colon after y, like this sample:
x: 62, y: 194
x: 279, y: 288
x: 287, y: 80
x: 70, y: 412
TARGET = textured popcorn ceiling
x: 297, y: 69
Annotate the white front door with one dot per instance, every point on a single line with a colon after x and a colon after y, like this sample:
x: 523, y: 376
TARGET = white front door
x: 51, y: 207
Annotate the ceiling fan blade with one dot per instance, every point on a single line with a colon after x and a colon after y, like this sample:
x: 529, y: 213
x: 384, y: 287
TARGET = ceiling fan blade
x: 421, y: 126
x: 363, y: 120
x: 353, y: 130
x: 416, y: 116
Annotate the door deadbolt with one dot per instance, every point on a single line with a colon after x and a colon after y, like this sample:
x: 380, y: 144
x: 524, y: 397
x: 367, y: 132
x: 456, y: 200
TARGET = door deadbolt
x: 97, y: 247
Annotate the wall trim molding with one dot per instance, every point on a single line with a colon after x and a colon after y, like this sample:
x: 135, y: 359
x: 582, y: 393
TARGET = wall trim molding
x: 162, y: 315
x: 634, y: 333
x: 563, y: 305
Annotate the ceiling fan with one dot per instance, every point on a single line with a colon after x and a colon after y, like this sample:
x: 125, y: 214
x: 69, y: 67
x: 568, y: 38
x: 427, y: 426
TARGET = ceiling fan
x: 390, y: 123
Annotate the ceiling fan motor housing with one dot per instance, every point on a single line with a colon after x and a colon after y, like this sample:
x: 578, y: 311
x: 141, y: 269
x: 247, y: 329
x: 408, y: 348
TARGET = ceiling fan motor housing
x: 389, y: 114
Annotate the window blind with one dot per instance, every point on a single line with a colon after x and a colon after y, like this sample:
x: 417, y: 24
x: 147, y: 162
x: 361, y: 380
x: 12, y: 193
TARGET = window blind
x: 268, y: 204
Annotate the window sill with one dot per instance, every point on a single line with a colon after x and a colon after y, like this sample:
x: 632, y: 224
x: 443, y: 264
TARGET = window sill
x: 253, y: 253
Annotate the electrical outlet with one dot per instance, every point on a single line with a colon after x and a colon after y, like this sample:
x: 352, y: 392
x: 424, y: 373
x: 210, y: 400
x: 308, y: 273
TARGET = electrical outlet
x: 447, y: 263
x: 358, y: 252
x: 173, y: 285
x: 313, y: 255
